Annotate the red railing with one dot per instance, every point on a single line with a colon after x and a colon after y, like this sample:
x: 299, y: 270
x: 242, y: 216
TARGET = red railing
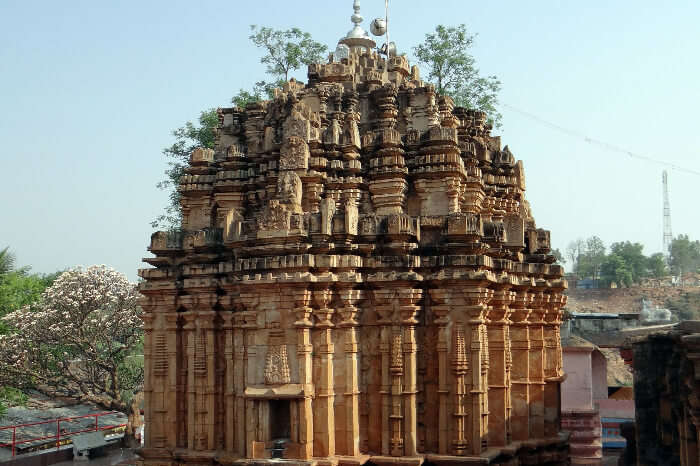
x: 60, y: 433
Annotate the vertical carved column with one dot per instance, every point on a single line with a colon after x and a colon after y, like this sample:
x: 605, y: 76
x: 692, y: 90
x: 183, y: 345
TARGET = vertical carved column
x: 396, y: 370
x: 408, y: 297
x: 189, y: 329
x: 148, y: 318
x: 520, y: 349
x: 349, y: 322
x: 249, y: 416
x: 174, y: 390
x: 460, y: 366
x: 324, y: 416
x: 536, y: 365
x: 239, y: 371
x: 384, y: 312
x: 229, y: 426
x: 499, y: 372
x: 304, y: 347
x: 476, y: 299
x: 205, y: 367
x: 553, y: 364
x: 441, y: 311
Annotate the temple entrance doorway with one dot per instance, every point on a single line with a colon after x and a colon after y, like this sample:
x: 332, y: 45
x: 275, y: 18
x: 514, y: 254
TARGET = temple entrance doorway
x: 280, y: 426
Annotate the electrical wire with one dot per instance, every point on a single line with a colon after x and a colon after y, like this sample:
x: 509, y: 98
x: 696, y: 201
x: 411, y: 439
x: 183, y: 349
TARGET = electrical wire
x: 599, y: 143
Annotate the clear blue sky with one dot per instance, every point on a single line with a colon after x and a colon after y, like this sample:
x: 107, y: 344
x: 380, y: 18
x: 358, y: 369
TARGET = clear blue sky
x: 90, y: 92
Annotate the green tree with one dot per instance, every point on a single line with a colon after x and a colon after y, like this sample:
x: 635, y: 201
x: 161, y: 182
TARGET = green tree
x: 261, y: 90
x: 684, y: 254
x: 76, y: 341
x: 286, y: 51
x: 614, y: 269
x: 453, y: 70
x: 633, y: 257
x: 590, y: 261
x: 187, y: 138
x: 656, y: 265
x: 7, y: 261
x: 20, y: 288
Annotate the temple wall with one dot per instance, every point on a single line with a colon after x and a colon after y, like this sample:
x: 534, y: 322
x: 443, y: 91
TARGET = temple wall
x: 358, y: 278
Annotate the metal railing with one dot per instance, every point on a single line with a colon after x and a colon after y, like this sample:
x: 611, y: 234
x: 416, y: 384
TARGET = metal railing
x: 62, y: 434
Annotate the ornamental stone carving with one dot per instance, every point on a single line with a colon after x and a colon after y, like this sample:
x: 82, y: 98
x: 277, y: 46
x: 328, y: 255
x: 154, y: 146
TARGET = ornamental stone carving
x: 358, y: 280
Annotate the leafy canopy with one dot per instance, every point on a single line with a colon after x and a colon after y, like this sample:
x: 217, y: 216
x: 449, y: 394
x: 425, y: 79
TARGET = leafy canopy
x: 286, y: 50
x: 187, y: 139
x: 76, y: 340
x: 684, y: 255
x: 453, y: 70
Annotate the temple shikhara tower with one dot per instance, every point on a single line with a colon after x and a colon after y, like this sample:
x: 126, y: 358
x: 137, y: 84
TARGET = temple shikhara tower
x: 358, y: 279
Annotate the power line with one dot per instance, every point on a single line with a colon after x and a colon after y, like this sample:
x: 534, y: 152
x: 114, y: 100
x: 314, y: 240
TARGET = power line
x: 599, y: 143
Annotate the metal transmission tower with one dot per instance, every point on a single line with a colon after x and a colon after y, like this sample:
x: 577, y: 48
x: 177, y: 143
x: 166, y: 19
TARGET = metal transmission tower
x: 668, y: 235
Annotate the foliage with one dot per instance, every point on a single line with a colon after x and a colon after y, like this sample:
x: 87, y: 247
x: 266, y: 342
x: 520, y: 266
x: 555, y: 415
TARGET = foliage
x: 614, y: 269
x: 684, y: 255
x: 632, y: 257
x: 453, y: 70
x: 286, y: 50
x: 625, y: 265
x: 10, y: 396
x: 590, y: 261
x: 187, y: 138
x: 7, y: 261
x: 74, y: 342
x: 261, y: 90
x: 19, y: 288
x: 656, y: 265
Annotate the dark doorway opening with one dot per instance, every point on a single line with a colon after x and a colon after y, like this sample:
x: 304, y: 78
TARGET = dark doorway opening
x: 280, y: 426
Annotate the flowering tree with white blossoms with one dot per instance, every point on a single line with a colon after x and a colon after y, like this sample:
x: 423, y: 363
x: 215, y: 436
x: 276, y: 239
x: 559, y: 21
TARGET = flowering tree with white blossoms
x: 78, y: 339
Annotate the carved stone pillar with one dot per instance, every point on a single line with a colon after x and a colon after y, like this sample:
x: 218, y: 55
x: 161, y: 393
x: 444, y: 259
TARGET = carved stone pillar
x: 520, y: 350
x: 229, y: 388
x: 349, y: 323
x: 536, y: 365
x: 408, y: 297
x: 553, y: 372
x: 205, y: 372
x: 239, y: 371
x: 441, y: 311
x: 323, y: 411
x: 304, y: 348
x: 499, y: 366
x: 190, y: 333
x: 476, y: 299
x: 174, y: 389
x: 148, y: 318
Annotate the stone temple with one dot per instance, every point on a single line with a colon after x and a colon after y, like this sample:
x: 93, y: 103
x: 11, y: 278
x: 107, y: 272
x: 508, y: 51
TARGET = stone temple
x: 358, y: 279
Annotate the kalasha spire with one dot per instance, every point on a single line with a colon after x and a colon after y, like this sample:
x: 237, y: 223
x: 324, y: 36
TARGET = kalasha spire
x: 357, y: 38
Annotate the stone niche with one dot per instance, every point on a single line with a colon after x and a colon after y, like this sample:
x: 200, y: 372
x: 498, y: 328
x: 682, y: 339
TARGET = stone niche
x: 358, y: 279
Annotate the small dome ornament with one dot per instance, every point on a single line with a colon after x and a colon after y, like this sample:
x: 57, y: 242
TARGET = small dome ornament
x: 357, y: 38
x: 378, y: 27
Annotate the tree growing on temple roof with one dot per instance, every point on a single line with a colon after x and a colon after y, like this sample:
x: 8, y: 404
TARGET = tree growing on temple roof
x: 78, y: 341
x: 286, y: 51
x: 187, y: 138
x: 453, y: 70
